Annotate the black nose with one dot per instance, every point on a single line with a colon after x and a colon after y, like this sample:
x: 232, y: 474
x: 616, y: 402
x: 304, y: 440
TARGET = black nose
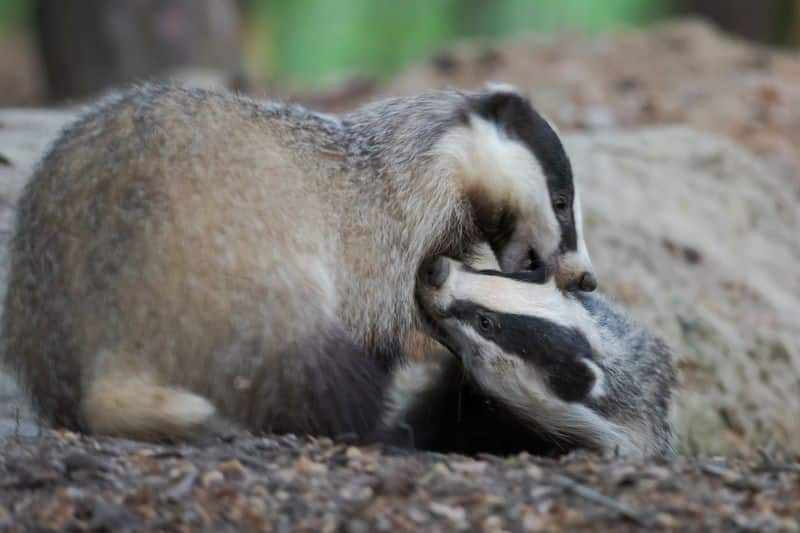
x: 434, y: 272
x: 588, y: 282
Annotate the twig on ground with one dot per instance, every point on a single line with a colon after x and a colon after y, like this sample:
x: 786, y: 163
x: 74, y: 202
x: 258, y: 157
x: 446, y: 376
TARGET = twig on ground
x: 588, y: 493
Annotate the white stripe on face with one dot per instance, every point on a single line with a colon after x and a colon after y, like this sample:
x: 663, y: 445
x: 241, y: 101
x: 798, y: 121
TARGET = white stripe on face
x: 583, y: 251
x: 506, y: 295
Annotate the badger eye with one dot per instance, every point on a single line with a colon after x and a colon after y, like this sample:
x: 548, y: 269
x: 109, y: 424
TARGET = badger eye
x: 485, y: 324
x: 560, y: 204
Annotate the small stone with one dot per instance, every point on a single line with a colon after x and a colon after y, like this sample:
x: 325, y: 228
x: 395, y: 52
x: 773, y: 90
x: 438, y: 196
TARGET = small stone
x: 74, y: 493
x: 534, y: 472
x: 83, y: 461
x: 493, y: 524
x: 790, y: 525
x: 357, y: 494
x: 469, y: 467
x: 354, y: 454
x: 440, y: 469
x: 232, y: 470
x: 666, y: 521
x: 68, y: 436
x: 358, y: 526
x: 456, y: 515
x: 543, y: 491
x: 211, y: 477
x: 417, y: 515
x: 112, y: 517
x: 181, y: 488
x: 305, y: 466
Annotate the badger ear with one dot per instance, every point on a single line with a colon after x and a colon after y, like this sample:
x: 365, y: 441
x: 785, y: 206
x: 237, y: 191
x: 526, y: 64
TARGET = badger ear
x: 499, y: 87
x: 502, y: 107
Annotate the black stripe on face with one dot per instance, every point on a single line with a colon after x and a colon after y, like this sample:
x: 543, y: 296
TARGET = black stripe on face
x: 538, y: 276
x: 521, y: 122
x: 556, y: 351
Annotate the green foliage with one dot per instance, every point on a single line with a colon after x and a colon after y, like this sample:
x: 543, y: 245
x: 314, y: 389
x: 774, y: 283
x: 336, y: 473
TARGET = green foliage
x: 307, y: 40
x: 310, y: 40
x: 13, y: 14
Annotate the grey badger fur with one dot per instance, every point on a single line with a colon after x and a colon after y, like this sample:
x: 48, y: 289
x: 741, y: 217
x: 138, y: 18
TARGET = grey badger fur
x: 184, y: 259
x: 537, y: 371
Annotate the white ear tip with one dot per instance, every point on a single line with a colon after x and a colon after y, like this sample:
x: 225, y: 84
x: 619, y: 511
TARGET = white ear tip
x: 599, y: 388
x: 499, y: 87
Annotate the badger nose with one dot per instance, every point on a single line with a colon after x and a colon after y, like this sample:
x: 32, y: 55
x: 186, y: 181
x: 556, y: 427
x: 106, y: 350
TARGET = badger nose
x: 434, y: 272
x: 588, y: 282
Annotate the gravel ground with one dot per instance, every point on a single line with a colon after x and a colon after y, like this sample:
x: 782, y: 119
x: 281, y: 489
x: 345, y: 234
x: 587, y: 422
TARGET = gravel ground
x: 66, y: 481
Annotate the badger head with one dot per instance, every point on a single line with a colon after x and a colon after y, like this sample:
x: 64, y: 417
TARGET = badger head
x: 518, y: 181
x: 526, y: 345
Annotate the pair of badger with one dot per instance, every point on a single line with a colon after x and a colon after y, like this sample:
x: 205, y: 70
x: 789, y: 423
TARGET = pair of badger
x: 184, y: 261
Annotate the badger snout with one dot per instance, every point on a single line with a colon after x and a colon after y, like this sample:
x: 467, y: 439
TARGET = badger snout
x: 434, y: 284
x: 574, y: 272
x: 434, y: 272
x: 587, y: 282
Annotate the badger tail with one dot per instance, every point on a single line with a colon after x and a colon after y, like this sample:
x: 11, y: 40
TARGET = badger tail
x: 136, y: 407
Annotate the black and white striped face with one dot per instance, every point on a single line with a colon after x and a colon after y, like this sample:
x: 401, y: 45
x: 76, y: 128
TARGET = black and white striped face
x: 519, y: 182
x: 516, y: 334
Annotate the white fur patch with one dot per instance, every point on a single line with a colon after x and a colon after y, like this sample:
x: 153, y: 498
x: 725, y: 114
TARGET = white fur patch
x: 135, y: 407
x: 599, y: 388
x: 578, y: 261
x: 482, y: 258
x: 408, y: 383
x: 487, y: 160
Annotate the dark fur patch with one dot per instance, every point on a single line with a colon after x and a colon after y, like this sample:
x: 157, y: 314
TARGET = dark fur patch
x: 557, y: 351
x: 342, y: 397
x: 455, y: 416
x: 496, y: 224
x: 521, y: 122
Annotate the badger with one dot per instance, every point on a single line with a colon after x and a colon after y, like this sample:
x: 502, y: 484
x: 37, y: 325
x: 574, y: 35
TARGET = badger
x: 536, y: 370
x: 184, y: 259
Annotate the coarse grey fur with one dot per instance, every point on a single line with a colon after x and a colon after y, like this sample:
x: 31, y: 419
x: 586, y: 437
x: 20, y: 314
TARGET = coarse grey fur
x: 183, y: 254
x: 491, y: 400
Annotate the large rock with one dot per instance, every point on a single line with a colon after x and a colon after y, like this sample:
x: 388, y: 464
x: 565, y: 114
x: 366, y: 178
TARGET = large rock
x: 686, y: 229
x: 701, y: 243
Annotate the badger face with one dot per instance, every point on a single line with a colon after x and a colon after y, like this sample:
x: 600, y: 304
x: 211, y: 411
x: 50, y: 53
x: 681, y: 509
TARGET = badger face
x: 518, y: 180
x: 515, y: 333
x: 528, y: 346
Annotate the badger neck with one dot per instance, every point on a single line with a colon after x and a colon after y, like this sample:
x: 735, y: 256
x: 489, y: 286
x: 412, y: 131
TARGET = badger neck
x: 408, y: 194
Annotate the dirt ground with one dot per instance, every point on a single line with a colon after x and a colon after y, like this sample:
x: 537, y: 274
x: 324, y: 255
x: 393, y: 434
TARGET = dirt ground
x: 68, y: 482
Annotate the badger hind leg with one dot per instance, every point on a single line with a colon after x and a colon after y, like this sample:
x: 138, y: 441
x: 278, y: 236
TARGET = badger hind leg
x: 136, y: 407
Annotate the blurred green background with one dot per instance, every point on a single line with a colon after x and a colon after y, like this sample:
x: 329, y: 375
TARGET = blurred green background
x: 312, y: 39
x: 62, y: 50
x: 309, y: 41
